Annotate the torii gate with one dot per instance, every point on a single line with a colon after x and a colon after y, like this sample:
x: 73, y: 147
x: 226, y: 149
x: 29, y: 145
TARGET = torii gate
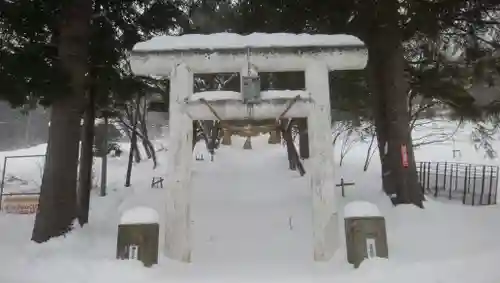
x: 179, y: 57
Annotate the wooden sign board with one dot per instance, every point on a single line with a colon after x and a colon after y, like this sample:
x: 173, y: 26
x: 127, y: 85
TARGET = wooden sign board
x: 20, y: 204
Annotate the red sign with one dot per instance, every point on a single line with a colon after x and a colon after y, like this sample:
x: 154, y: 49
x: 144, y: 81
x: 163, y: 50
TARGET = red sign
x: 404, y: 156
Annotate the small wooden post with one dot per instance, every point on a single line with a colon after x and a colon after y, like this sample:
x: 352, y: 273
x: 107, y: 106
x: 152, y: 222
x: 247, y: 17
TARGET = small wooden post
x: 157, y: 182
x: 343, y: 184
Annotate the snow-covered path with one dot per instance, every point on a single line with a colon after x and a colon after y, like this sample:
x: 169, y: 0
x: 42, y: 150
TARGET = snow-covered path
x: 248, y: 207
x: 242, y: 206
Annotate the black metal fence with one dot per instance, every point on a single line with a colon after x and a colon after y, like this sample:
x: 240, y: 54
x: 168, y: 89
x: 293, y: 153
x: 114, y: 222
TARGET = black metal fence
x: 469, y: 183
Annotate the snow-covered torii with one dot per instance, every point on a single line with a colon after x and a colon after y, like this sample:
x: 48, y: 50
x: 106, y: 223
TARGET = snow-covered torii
x: 179, y: 57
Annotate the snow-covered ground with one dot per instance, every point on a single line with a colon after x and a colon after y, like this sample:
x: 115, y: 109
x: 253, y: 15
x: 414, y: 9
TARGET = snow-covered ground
x: 252, y: 222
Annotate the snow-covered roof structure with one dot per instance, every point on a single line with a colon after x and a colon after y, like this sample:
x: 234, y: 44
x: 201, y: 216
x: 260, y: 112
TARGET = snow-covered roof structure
x: 267, y: 52
x: 228, y: 41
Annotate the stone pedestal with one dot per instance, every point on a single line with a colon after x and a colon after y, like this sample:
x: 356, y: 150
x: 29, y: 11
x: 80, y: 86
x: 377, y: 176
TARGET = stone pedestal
x: 366, y: 235
x: 136, y: 240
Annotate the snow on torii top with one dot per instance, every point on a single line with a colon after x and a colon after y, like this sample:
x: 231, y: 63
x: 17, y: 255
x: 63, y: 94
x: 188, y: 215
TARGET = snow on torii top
x: 230, y: 52
x: 235, y: 41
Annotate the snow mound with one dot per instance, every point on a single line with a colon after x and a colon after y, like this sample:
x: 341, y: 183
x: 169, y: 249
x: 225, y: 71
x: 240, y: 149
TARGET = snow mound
x: 140, y: 215
x: 236, y: 41
x: 361, y: 209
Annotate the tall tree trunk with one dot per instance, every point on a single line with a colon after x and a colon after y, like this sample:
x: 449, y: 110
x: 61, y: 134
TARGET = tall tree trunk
x: 287, y: 136
x: 216, y: 134
x: 293, y: 155
x: 27, y: 137
x: 131, y: 111
x: 133, y: 136
x: 303, y: 138
x: 388, y: 184
x: 104, y: 164
x: 195, y: 133
x: 144, y: 129
x: 386, y: 69
x: 369, y: 153
x: 152, y: 150
x: 147, y: 149
x: 133, y: 141
x: 86, y: 160
x: 133, y: 147
x: 57, y: 207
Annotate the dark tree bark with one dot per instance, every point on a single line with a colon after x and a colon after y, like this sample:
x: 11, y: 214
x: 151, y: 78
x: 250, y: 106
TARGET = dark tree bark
x: 133, y: 146
x: 144, y: 129
x: 389, y: 86
x: 195, y: 133
x: 133, y: 141
x: 216, y: 134
x: 132, y: 117
x: 303, y: 138
x: 86, y: 160
x: 287, y: 136
x: 214, y: 138
x: 285, y: 129
x: 57, y: 206
x: 147, y: 142
x: 293, y: 156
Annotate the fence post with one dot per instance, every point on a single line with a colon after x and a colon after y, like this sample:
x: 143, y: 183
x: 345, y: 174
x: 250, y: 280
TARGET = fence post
x: 482, y: 185
x: 420, y: 172
x: 437, y: 179
x: 451, y: 180
x: 428, y: 176
x: 474, y: 185
x: 423, y: 173
x: 3, y: 180
x: 421, y: 176
x: 496, y: 185
x: 491, y: 185
x: 466, y: 183
x: 445, y: 175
